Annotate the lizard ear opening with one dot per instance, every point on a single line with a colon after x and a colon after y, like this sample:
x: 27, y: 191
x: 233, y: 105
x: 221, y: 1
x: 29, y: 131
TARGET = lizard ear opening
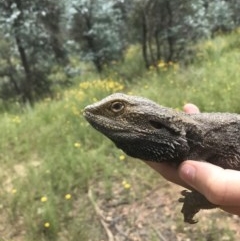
x: 156, y: 124
x: 161, y: 126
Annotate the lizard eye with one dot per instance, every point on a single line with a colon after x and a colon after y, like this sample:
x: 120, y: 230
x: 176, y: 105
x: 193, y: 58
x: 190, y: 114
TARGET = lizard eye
x: 117, y: 106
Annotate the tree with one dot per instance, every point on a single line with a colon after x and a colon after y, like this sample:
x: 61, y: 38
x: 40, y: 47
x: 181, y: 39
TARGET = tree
x: 166, y: 29
x: 97, y: 26
x: 33, y: 41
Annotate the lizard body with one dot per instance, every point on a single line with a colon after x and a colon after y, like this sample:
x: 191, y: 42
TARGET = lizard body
x: 150, y: 132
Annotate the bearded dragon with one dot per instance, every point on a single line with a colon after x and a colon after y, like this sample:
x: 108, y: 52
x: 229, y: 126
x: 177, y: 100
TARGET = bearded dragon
x: 150, y: 132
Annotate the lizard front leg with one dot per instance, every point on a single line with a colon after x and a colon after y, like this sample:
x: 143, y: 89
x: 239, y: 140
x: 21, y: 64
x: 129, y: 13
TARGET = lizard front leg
x: 193, y: 202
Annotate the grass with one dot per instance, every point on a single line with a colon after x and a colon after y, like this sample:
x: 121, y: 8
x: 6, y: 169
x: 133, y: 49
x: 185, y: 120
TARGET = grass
x: 211, y: 82
x: 51, y: 159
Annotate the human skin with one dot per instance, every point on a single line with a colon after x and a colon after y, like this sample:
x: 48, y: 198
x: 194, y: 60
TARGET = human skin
x: 220, y: 186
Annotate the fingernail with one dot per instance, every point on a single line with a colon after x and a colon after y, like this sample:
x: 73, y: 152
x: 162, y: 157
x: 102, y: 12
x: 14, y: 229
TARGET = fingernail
x: 188, y: 172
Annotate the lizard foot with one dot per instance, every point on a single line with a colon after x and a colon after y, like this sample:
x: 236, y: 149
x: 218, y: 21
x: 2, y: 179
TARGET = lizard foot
x: 188, y: 209
x: 193, y: 202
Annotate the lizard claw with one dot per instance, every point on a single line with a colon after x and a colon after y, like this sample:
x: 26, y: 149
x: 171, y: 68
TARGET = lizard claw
x: 185, y: 194
x: 190, y: 220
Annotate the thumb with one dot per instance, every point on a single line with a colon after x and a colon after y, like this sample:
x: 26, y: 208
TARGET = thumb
x: 191, y: 108
x: 220, y: 186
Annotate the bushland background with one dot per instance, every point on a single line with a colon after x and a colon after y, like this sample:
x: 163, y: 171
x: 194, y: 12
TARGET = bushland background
x: 60, y: 179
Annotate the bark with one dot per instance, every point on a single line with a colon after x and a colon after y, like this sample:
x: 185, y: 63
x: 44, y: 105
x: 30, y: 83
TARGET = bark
x: 28, y: 85
x: 144, y: 40
x: 170, y: 38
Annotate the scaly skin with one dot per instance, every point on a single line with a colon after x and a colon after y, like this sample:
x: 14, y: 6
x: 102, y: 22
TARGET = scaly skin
x: 150, y: 132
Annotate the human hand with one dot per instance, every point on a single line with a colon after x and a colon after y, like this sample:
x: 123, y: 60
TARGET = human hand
x: 220, y: 186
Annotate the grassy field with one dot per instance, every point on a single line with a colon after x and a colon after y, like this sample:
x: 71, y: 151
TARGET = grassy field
x: 61, y: 180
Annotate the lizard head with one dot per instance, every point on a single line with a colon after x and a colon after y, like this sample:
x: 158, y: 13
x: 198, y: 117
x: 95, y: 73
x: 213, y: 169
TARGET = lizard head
x: 139, y: 127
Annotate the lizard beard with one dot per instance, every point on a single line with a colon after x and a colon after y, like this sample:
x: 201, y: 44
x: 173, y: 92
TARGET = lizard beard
x: 148, y: 150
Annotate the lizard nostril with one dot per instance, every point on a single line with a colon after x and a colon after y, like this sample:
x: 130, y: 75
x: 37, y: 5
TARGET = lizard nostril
x: 117, y: 106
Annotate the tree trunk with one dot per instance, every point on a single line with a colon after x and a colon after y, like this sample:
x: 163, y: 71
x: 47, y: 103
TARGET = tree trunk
x: 157, y: 45
x: 92, y: 45
x: 11, y: 74
x: 144, y: 40
x: 28, y: 85
x: 170, y: 38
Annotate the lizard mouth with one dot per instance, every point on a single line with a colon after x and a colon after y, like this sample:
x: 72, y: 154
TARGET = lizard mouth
x: 87, y: 114
x: 91, y: 118
x: 99, y: 123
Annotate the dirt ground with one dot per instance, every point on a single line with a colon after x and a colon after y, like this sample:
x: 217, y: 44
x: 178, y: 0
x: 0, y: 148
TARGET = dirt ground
x: 157, y: 216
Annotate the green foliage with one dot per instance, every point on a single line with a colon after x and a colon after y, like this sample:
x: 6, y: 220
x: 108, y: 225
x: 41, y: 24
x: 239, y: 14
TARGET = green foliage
x: 52, y: 184
x: 33, y: 47
x: 51, y: 159
x: 130, y: 69
x: 211, y: 83
x: 98, y: 29
x: 38, y: 39
x: 167, y: 28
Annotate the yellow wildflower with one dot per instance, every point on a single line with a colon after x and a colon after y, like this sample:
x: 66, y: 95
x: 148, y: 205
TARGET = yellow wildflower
x: 77, y: 144
x: 16, y: 119
x: 126, y: 185
x: 106, y: 84
x: 122, y: 157
x: 47, y: 225
x: 44, y: 199
x: 68, y: 196
x: 161, y: 64
x: 14, y: 191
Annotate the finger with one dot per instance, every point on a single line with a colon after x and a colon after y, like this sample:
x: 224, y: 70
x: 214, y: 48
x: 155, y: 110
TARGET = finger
x: 220, y: 186
x: 233, y: 210
x: 191, y: 108
x: 168, y: 172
